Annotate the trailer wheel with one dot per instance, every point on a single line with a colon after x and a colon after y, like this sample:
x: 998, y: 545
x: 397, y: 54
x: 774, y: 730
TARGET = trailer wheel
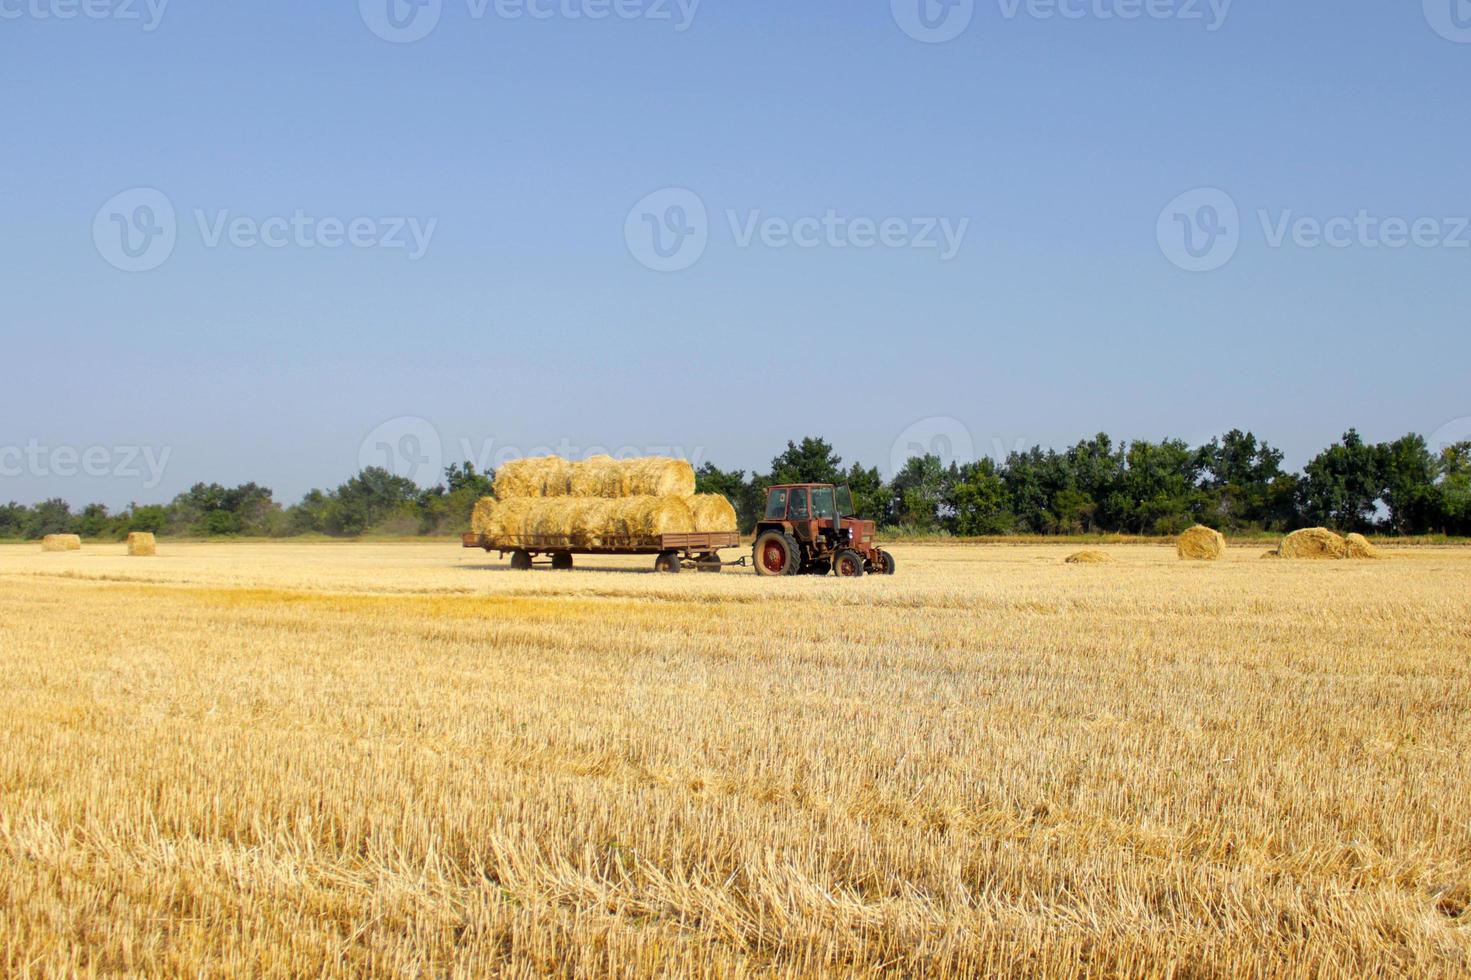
x: 562, y: 561
x: 521, y: 561
x: 668, y: 562
x: 708, y: 562
x: 776, y: 553
x: 848, y: 564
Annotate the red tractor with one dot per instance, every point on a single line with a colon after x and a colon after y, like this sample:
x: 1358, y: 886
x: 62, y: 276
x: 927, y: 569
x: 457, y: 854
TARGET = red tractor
x: 808, y: 529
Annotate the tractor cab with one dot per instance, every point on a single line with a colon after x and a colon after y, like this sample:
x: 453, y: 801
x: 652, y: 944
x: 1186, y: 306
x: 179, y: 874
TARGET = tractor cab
x: 812, y: 529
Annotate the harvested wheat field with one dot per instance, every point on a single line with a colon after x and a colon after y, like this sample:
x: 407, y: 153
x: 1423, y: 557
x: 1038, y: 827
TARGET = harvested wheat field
x: 301, y: 759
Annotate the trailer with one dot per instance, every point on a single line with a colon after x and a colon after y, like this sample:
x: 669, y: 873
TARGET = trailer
x: 673, y: 552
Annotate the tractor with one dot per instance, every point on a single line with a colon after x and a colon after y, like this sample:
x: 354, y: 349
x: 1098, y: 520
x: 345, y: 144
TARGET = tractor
x: 809, y: 529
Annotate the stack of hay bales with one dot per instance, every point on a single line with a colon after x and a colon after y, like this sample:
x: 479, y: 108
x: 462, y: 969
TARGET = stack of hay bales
x: 1201, y: 543
x: 141, y: 544
x: 61, y: 542
x: 598, y: 501
x: 1088, y: 558
x: 1321, y: 544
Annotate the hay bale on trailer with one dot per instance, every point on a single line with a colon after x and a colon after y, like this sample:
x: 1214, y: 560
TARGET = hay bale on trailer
x: 537, y: 476
x: 712, y: 513
x: 598, y: 476
x: 141, y: 544
x: 1201, y: 543
x: 658, y: 476
x: 1314, y: 544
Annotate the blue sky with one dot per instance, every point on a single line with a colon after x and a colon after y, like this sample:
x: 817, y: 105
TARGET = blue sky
x: 1068, y: 149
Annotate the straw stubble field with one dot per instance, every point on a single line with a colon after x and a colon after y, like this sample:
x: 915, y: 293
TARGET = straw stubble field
x: 323, y: 759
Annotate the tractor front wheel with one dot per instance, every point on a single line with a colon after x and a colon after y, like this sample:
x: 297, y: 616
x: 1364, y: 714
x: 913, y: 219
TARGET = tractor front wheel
x: 848, y: 564
x: 776, y: 553
x: 885, y: 564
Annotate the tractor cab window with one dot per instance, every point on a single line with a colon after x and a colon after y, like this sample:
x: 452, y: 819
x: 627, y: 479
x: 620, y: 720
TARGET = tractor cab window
x: 776, y: 504
x: 845, y: 502
x: 822, y: 504
x: 797, y: 506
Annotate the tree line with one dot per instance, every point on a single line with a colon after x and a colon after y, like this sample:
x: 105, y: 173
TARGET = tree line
x: 1234, y: 483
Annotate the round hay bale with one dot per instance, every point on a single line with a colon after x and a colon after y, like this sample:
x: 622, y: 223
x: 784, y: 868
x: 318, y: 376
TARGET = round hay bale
x: 482, y: 518
x: 647, y: 517
x: 1201, y: 543
x: 141, y: 544
x: 658, y: 476
x: 1359, y: 547
x: 712, y: 513
x: 1314, y: 544
x: 1273, y: 554
x: 61, y: 542
x: 597, y: 476
x: 1088, y: 558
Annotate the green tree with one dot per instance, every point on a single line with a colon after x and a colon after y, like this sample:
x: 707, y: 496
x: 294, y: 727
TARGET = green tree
x: 52, y: 516
x: 1342, y: 485
x: 1414, y: 499
x: 920, y: 492
x: 813, y: 461
x: 979, y: 501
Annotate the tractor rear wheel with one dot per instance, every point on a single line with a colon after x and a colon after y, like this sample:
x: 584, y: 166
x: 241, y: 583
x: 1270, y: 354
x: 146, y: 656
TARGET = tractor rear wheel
x: 562, y: 561
x: 668, y: 562
x: 776, y: 553
x: 848, y: 564
x: 521, y: 561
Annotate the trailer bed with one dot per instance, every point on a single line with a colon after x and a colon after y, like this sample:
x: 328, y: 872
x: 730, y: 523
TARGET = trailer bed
x: 700, y: 549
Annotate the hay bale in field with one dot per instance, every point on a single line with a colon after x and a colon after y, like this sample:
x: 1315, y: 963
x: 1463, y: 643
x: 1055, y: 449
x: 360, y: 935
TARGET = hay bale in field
x: 1314, y: 544
x: 1274, y: 553
x: 597, y: 476
x: 1088, y: 558
x: 712, y: 513
x: 1201, y: 543
x: 141, y: 544
x: 537, y: 476
x: 61, y: 542
x: 1359, y: 547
